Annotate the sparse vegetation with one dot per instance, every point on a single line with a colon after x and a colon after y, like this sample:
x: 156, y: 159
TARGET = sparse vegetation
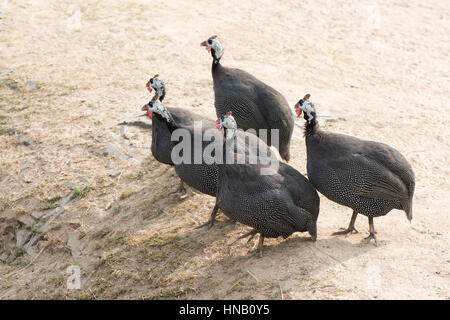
x: 6, y: 130
x: 81, y: 191
x: 20, y: 210
x: 127, y: 193
x: 51, y: 202
x: 130, y: 238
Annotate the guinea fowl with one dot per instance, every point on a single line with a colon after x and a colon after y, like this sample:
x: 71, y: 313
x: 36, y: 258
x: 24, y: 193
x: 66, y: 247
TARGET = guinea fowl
x: 275, y: 204
x: 202, y: 175
x: 254, y: 104
x: 161, y: 145
x: 370, y: 177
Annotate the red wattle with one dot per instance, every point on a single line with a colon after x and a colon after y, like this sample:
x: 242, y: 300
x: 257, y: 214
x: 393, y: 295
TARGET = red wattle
x: 149, y: 113
x: 149, y: 89
x: 208, y: 49
x: 298, y: 112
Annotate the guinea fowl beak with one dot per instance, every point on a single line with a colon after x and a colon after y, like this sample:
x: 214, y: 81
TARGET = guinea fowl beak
x: 203, y: 44
x: 298, y: 111
x: 149, y: 113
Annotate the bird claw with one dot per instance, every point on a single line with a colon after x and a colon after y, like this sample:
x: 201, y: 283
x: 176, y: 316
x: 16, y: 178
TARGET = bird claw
x: 228, y: 223
x: 370, y: 237
x: 208, y: 223
x: 345, y: 232
x: 257, y: 251
x: 180, y: 191
x: 250, y: 234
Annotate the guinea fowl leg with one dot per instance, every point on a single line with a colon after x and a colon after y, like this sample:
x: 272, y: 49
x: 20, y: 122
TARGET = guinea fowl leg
x: 372, y: 233
x: 250, y: 234
x: 181, y: 190
x: 351, y: 227
x: 259, y: 248
x: 211, y: 220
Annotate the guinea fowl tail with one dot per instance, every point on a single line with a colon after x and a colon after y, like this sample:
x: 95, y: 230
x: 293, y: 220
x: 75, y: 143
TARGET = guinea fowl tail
x: 312, y: 229
x: 304, y: 221
x: 284, y: 152
x: 275, y: 153
x: 407, y: 207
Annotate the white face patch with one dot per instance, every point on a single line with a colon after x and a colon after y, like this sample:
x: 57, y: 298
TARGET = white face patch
x: 229, y: 123
x: 308, y: 108
x: 158, y: 86
x: 157, y: 107
x: 215, y: 44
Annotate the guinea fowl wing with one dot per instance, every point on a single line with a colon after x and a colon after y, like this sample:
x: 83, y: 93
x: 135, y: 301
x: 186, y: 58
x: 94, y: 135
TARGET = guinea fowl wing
x: 391, y: 159
x: 269, y: 101
x: 268, y: 195
x: 185, y: 117
x: 265, y: 98
x: 367, y: 177
x: 300, y: 189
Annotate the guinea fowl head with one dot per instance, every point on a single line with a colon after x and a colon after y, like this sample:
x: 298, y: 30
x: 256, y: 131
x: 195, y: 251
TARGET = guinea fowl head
x: 158, y: 85
x: 155, y: 106
x: 228, y: 123
x: 309, y: 112
x: 213, y: 45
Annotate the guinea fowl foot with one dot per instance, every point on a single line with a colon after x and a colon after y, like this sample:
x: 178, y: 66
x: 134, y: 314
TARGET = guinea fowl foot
x: 370, y: 237
x: 233, y: 222
x: 259, y: 250
x: 250, y: 234
x: 371, y: 234
x: 208, y: 223
x: 181, y: 191
x: 211, y: 220
x: 345, y: 231
x: 351, y: 227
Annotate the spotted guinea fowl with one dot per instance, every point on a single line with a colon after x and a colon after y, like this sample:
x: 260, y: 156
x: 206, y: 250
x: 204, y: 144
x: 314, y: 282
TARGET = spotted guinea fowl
x: 199, y: 175
x: 254, y: 104
x: 370, y: 177
x: 197, y: 169
x: 161, y: 145
x: 276, y: 202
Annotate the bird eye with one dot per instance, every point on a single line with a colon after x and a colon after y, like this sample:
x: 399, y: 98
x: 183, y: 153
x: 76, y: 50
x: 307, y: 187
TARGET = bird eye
x: 151, y: 80
x: 209, y: 41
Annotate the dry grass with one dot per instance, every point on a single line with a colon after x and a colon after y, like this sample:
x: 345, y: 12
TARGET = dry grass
x: 128, y: 236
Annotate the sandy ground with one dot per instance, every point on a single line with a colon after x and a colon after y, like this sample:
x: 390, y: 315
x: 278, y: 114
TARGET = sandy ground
x: 383, y: 65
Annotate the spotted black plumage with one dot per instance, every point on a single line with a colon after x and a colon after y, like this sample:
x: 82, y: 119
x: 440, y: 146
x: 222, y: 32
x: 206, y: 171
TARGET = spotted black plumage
x: 274, y: 205
x: 161, y: 144
x: 370, y: 177
x: 201, y: 176
x: 254, y: 104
